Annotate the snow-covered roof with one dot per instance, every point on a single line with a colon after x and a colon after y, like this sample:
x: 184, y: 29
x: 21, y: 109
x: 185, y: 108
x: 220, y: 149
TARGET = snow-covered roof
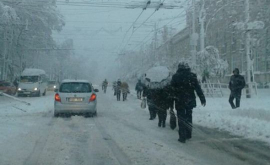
x: 73, y: 80
x: 33, y: 72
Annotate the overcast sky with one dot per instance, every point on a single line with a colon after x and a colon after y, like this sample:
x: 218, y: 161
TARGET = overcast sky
x: 100, y: 33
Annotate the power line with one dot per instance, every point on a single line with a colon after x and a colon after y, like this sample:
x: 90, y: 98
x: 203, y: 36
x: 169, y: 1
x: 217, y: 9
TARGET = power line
x: 143, y: 23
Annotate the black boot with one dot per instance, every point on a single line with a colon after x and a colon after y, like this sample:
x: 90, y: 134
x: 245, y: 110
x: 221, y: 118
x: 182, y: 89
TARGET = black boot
x: 164, y: 124
x: 182, y: 135
x: 159, y: 123
x: 182, y: 140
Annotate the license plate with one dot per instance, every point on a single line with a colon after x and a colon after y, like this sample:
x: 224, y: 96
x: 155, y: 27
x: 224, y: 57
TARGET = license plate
x: 28, y: 93
x: 75, y: 99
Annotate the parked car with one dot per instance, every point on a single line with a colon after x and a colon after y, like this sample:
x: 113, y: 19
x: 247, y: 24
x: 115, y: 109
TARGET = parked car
x: 52, y: 85
x: 33, y: 82
x: 7, y: 87
x: 75, y: 97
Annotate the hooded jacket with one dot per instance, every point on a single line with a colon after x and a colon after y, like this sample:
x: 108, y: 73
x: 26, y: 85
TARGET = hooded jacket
x: 184, y: 84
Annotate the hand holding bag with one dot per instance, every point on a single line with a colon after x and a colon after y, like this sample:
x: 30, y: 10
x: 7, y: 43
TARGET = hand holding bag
x: 143, y: 103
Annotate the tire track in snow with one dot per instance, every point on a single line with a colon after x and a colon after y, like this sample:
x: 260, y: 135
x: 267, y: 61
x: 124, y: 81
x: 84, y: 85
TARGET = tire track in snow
x: 242, y: 149
x: 33, y: 158
x: 117, y: 151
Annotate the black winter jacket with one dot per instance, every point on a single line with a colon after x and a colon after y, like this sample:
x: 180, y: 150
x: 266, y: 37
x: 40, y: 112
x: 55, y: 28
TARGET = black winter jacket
x: 237, y: 83
x: 184, y: 83
x: 158, y: 98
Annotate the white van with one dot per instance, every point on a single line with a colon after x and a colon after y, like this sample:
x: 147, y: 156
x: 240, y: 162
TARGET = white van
x: 33, y: 82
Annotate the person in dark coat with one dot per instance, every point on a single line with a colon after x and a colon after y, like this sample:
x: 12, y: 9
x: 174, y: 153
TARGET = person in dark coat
x: 15, y: 83
x: 163, y: 103
x: 158, y: 102
x: 237, y: 83
x: 149, y: 94
x: 184, y: 84
x: 139, y: 89
x: 118, y: 89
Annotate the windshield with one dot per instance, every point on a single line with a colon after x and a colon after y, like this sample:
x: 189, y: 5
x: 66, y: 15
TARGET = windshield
x: 29, y: 79
x: 135, y: 82
x: 51, y: 83
x: 75, y: 88
x: 4, y: 84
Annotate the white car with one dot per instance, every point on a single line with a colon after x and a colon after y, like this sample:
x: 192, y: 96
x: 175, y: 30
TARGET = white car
x: 75, y: 97
x: 33, y: 82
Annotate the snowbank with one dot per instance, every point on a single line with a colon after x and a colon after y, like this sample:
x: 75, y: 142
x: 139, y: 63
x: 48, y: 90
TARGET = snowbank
x: 251, y: 120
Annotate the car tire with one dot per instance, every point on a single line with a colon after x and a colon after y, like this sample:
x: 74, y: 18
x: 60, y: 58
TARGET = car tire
x: 38, y: 94
x: 19, y: 95
x: 56, y: 114
x: 88, y: 115
x: 44, y: 92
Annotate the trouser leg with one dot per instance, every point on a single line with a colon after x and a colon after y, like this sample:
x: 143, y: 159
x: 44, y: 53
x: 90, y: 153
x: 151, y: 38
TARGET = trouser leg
x: 164, y: 117
x: 231, y: 101
x: 118, y: 96
x: 152, y: 111
x: 160, y: 119
x: 181, y: 115
x: 238, y: 98
x: 189, y: 123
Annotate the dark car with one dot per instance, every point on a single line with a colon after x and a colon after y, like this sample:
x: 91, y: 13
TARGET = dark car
x: 7, y: 87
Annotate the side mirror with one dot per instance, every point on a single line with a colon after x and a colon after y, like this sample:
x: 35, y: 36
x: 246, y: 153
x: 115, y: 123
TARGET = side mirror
x: 96, y: 90
x: 56, y: 90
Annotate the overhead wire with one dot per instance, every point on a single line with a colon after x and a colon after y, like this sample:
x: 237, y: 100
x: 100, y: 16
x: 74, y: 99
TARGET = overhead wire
x: 140, y: 26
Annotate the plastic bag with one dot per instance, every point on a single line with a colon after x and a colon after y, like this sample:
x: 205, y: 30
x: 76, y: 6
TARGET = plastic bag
x: 143, y: 103
x: 172, y: 120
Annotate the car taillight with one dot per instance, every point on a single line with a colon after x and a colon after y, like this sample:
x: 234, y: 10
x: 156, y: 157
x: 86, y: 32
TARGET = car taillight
x: 57, y: 97
x: 93, y: 97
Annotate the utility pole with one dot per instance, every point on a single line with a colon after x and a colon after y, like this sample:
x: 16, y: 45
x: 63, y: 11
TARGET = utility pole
x: 247, y: 17
x: 194, y: 37
x: 3, y: 71
x: 202, y: 31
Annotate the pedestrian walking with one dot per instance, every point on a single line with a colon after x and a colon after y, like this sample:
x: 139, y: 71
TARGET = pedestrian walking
x: 124, y: 90
x: 157, y: 90
x: 105, y: 85
x: 139, y: 89
x: 150, y: 97
x: 184, y: 84
x: 114, y: 88
x: 118, y: 89
x: 236, y: 84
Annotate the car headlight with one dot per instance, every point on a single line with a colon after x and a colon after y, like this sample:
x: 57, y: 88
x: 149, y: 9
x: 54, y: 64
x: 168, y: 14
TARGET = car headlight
x: 54, y: 86
x: 35, y: 89
x: 19, y: 89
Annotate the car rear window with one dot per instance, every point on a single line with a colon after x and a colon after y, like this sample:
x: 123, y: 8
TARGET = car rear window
x: 75, y: 87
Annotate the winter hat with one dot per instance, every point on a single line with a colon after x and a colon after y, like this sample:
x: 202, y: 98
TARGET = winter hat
x: 183, y: 65
x: 236, y: 70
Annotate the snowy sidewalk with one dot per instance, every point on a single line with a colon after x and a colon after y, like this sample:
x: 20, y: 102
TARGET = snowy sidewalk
x: 251, y: 120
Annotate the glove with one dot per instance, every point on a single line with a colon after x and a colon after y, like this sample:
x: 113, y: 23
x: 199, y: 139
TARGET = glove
x: 204, y: 103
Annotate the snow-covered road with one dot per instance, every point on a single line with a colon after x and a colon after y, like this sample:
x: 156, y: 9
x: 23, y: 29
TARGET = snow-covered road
x: 120, y: 134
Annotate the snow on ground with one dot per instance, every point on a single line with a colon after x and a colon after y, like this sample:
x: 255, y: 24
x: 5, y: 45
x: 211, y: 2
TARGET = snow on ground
x: 120, y: 132
x: 17, y: 118
x: 251, y: 120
